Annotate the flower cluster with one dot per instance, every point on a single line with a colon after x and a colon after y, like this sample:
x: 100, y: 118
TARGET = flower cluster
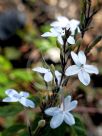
x: 81, y: 68
x: 59, y: 28
x: 61, y: 112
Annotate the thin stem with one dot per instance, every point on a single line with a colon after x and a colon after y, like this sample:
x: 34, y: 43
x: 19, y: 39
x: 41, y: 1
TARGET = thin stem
x: 36, y: 132
x: 27, y: 122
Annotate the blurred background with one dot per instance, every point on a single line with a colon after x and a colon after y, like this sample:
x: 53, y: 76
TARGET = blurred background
x: 21, y: 47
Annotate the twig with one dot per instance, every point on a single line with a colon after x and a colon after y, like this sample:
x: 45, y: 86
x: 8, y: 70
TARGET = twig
x: 88, y: 110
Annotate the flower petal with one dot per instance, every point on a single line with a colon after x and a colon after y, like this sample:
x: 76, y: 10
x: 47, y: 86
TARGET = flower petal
x: 57, y: 73
x: 24, y: 94
x: 62, y: 22
x: 82, y: 57
x: 69, y: 119
x: 62, y: 19
x: 84, y: 77
x: 58, y: 76
x: 91, y: 69
x: 73, y: 25
x: 10, y: 99
x: 48, y: 76
x: 72, y: 70
x: 11, y: 92
x: 40, y: 70
x: 72, y: 105
x: 56, y: 24
x: 60, y: 40
x: 52, y: 111
x: 27, y: 102
x: 56, y: 120
x: 71, y: 40
x: 75, y: 58
x: 53, y: 33
x: 67, y: 101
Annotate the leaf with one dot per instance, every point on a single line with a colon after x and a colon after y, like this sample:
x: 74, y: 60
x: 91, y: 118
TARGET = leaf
x: 10, y: 110
x: 12, y: 53
x: 3, y: 78
x: 13, y: 130
x: 22, y: 74
x: 78, y: 129
x: 43, y: 44
x: 4, y: 64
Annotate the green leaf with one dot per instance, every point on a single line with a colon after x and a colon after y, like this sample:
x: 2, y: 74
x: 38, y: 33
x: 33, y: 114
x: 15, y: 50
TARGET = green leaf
x: 43, y: 44
x: 13, y: 130
x: 10, y: 110
x: 78, y: 129
x: 3, y: 78
x: 22, y: 74
x: 12, y: 53
x: 4, y: 64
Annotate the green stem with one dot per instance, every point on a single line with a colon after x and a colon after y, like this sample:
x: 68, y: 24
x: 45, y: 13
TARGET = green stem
x: 28, y: 122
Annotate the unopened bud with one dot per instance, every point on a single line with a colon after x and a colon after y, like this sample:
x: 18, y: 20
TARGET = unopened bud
x: 41, y: 123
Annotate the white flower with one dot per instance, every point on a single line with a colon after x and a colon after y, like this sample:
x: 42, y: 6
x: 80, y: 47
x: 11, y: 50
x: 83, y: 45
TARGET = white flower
x: 47, y: 74
x: 64, y: 22
x: 81, y: 68
x: 14, y: 96
x: 59, y: 33
x: 62, y: 113
x: 55, y: 32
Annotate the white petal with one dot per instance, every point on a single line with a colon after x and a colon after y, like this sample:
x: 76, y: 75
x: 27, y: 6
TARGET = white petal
x: 54, y: 31
x: 40, y: 70
x: 48, y: 76
x: 67, y: 101
x: 72, y: 70
x: 84, y: 77
x: 27, y: 102
x: 11, y: 92
x: 62, y: 22
x: 69, y: 119
x: 52, y: 111
x: 24, y: 94
x: 10, y: 99
x: 48, y: 34
x: 91, y: 69
x: 82, y: 57
x: 60, y: 40
x: 62, y: 18
x: 57, y: 73
x: 75, y: 58
x: 73, y: 25
x: 71, y: 40
x: 72, y: 105
x: 56, y: 24
x: 56, y: 120
x: 58, y: 76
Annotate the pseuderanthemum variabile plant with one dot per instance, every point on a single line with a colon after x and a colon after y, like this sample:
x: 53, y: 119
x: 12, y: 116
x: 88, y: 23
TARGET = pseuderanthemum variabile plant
x: 65, y: 31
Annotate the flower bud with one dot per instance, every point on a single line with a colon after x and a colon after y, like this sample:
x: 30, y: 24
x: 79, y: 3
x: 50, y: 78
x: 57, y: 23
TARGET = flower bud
x: 41, y: 123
